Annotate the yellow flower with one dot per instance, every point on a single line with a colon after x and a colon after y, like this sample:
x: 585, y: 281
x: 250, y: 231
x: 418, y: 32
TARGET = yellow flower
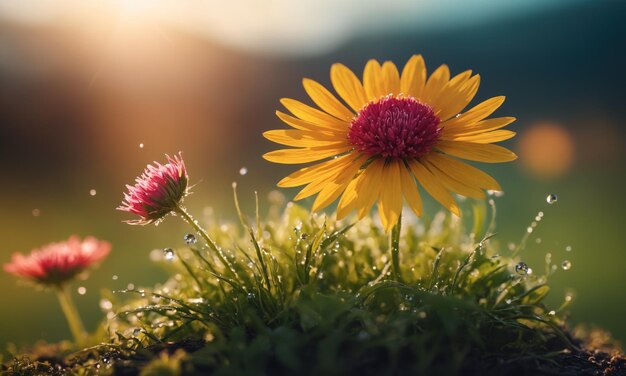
x: 391, y: 132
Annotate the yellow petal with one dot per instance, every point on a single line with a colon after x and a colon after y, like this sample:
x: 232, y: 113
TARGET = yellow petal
x: 326, y: 100
x: 391, y: 194
x: 325, y: 177
x: 435, y: 84
x: 299, y: 138
x: 373, y: 80
x: 463, y: 172
x: 409, y: 189
x: 476, y: 113
x: 382, y: 214
x: 334, y: 187
x: 294, y: 156
x: 476, y: 152
x: 413, y: 77
x: 391, y: 78
x: 348, y: 86
x: 434, y: 187
x: 454, y: 185
x: 313, y: 115
x: 486, y: 137
x: 457, y: 97
x: 347, y: 202
x: 449, y: 132
x: 305, y: 125
x: 369, y: 189
x: 308, y: 174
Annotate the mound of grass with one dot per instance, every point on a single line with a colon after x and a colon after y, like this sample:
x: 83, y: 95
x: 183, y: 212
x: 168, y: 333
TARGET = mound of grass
x: 301, y: 293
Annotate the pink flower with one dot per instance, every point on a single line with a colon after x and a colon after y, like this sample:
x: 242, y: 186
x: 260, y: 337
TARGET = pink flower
x: 56, y: 263
x: 157, y: 192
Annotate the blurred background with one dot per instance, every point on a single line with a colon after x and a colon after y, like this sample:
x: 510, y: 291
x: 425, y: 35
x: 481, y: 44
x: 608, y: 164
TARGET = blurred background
x: 91, y: 91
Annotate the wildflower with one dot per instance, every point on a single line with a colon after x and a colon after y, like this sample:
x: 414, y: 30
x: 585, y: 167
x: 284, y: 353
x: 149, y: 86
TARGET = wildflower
x: 157, y: 192
x: 394, y: 131
x: 56, y: 263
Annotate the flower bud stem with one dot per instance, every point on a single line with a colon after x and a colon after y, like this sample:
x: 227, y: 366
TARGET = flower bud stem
x: 180, y: 210
x: 71, y: 314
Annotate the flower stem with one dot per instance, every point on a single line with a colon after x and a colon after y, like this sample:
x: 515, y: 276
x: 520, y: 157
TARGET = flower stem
x: 71, y: 314
x: 394, y: 245
x: 189, y: 219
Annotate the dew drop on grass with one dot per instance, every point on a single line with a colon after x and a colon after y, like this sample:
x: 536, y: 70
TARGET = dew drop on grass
x: 136, y: 331
x: 250, y: 296
x: 551, y: 199
x: 82, y: 290
x: 552, y: 313
x: 304, y: 235
x: 92, y: 192
x: 243, y: 171
x: 521, y: 268
x: 568, y: 248
x: 141, y: 146
x: 566, y: 265
x: 114, y: 277
x: 168, y: 253
x: 190, y: 239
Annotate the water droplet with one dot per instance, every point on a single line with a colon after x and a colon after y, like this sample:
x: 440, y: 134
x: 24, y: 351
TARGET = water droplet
x: 82, y: 290
x: 141, y: 146
x: 243, y: 171
x: 495, y: 193
x: 136, y: 331
x: 92, y: 192
x: 168, y: 253
x: 190, y: 239
x: 568, y: 298
x: 250, y: 296
x: 529, y: 229
x: 105, y: 304
x: 548, y: 258
x: 422, y: 315
x: 521, y: 268
x: 551, y: 199
x: 304, y: 235
x: 566, y: 265
x: 508, y: 301
x: 114, y: 277
x: 552, y: 313
x: 36, y: 212
x: 538, y: 240
x: 568, y: 248
x: 130, y: 286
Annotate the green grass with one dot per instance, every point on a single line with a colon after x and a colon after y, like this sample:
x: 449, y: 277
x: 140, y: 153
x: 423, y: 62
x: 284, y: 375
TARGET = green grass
x: 302, y: 293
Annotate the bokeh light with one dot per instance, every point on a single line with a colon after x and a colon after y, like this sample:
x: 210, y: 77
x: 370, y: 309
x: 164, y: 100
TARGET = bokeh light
x: 546, y: 149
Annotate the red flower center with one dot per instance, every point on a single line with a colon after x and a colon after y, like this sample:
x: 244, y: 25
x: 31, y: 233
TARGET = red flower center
x: 392, y: 127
